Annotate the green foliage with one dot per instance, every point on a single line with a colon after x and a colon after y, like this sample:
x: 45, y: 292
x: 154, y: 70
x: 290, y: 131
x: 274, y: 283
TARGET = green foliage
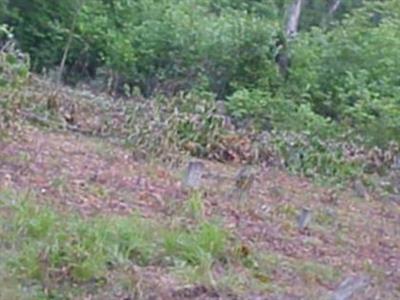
x: 315, y: 157
x: 14, y: 71
x: 49, y: 243
x: 342, y: 83
x: 277, y: 113
x: 42, y: 27
x: 195, y: 207
x: 3, y: 10
x: 176, y: 47
x: 349, y: 73
x: 14, y: 66
x: 155, y: 45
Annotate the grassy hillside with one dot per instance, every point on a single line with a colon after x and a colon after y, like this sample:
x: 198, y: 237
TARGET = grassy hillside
x: 81, y: 216
x: 193, y: 150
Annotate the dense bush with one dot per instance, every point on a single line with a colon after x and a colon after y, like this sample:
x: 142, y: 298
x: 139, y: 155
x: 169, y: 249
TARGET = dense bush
x: 183, y: 46
x: 155, y: 45
x: 14, y: 71
x: 350, y: 74
x: 42, y: 27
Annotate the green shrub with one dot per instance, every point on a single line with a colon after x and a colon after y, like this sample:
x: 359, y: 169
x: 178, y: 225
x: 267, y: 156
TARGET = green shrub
x: 316, y: 158
x: 156, y: 45
x: 14, y: 65
x: 277, y: 113
x: 350, y: 73
x: 204, y: 244
x: 14, y: 72
x: 42, y: 27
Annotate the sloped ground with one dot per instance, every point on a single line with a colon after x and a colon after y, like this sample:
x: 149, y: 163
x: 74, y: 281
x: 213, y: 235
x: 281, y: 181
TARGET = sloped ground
x: 347, y: 236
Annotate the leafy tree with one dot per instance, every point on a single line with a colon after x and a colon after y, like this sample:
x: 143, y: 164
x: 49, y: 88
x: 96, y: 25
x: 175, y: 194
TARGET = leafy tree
x: 41, y: 27
x: 349, y: 73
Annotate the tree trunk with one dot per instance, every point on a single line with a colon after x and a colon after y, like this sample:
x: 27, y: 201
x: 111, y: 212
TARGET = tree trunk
x: 333, y: 7
x: 292, y: 27
x: 69, y: 42
x: 294, y: 13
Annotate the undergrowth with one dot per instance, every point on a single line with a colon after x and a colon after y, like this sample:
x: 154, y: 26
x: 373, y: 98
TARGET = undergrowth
x: 193, y: 123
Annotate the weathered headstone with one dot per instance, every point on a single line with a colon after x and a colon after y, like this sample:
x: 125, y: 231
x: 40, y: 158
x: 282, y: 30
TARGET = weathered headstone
x: 396, y: 163
x: 360, y: 189
x: 244, y: 180
x: 194, y: 172
x: 349, y: 287
x: 304, y: 218
x: 220, y: 107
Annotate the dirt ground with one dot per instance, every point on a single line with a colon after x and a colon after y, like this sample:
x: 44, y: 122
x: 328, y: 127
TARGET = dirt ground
x: 348, y: 235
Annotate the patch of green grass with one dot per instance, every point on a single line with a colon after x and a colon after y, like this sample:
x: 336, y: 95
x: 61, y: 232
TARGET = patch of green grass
x: 20, y: 159
x: 194, y: 206
x: 312, y: 272
x: 287, y: 209
x: 203, y: 244
x: 98, y: 190
x: 60, y: 183
x: 267, y: 265
x: 270, y: 262
x: 42, y: 250
x: 308, y: 270
x: 103, y: 149
x: 375, y: 271
x: 325, y: 218
x: 258, y: 275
